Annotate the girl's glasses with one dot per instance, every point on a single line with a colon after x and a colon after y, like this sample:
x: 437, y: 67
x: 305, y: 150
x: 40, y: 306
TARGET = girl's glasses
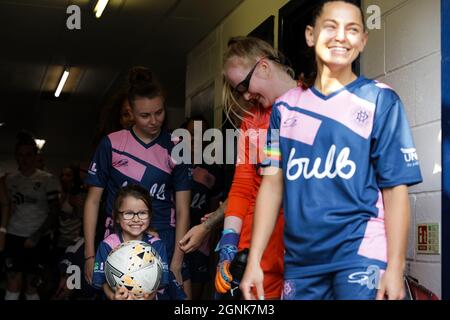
x: 129, y: 215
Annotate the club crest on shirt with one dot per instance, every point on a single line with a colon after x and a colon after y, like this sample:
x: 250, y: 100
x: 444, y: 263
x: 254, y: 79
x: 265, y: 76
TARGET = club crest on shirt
x: 361, y: 117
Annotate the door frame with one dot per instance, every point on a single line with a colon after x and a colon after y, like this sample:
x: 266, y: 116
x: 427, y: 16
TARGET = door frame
x: 445, y: 84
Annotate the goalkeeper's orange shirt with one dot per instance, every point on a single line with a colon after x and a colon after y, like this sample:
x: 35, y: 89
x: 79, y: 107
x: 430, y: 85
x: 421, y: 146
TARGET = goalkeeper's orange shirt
x: 242, y: 199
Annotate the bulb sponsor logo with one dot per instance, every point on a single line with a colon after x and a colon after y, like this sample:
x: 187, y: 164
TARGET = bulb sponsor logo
x: 333, y: 166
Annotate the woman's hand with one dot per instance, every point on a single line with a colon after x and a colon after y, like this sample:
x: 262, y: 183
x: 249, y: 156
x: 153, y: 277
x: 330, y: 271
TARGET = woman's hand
x: 392, y: 286
x: 194, y: 238
x: 253, y: 278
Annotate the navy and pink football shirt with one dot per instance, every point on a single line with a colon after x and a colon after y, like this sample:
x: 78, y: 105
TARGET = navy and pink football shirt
x: 337, y: 153
x: 122, y: 158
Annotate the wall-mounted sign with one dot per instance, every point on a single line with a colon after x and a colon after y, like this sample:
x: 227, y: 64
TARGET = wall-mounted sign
x: 428, y: 238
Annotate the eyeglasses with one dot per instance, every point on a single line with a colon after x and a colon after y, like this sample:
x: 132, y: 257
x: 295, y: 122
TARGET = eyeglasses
x: 129, y: 215
x: 243, y: 86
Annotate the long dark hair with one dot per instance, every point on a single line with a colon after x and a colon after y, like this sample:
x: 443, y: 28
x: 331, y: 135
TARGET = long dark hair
x: 110, y: 115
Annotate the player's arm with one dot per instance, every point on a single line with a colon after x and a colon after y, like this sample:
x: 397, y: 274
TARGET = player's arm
x: 216, y: 217
x: 239, y: 198
x: 397, y: 217
x: 268, y: 204
x: 90, y: 217
x: 182, y: 200
x: 193, y: 239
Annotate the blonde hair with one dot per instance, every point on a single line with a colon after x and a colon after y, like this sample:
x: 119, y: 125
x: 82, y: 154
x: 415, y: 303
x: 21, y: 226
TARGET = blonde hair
x: 248, y: 50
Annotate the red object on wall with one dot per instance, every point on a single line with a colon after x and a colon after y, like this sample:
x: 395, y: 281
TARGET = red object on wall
x: 422, y: 241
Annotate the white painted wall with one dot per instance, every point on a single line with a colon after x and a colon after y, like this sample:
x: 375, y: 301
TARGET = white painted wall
x: 406, y: 54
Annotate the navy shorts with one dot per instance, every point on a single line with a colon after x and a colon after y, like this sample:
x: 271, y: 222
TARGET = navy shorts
x: 360, y: 283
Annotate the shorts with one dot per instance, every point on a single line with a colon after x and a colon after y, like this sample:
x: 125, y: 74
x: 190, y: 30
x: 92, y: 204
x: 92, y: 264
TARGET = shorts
x: 359, y: 283
x: 20, y: 259
x: 199, y: 266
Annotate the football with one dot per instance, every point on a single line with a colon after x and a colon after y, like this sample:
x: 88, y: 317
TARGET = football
x: 134, y: 265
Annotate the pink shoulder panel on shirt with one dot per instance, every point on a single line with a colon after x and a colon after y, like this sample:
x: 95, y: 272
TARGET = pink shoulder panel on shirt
x: 153, y: 239
x: 298, y: 126
x: 382, y: 85
x: 128, y: 166
x: 346, y: 108
x: 291, y: 97
x: 113, y: 241
x: 156, y: 155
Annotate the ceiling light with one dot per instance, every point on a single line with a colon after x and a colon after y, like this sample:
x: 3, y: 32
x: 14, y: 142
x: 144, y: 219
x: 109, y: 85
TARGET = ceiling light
x: 39, y: 143
x: 62, y: 82
x: 99, y: 7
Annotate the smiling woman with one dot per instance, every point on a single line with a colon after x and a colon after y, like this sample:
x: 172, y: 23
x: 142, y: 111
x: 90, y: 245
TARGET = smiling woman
x: 141, y: 155
x: 349, y: 148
